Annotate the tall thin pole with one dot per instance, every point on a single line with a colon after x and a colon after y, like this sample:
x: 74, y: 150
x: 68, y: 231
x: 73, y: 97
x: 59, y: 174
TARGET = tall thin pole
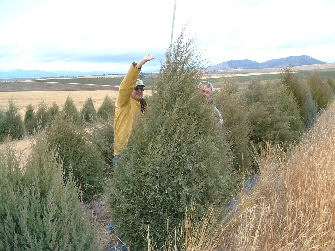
x: 174, y: 15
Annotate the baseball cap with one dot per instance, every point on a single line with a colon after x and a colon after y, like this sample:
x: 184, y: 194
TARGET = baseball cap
x: 139, y: 82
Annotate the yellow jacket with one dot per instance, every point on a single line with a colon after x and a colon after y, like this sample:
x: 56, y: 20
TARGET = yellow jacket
x: 126, y: 108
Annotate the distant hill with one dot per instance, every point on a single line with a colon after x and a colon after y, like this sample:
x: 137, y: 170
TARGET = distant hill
x: 43, y: 74
x: 273, y: 63
x: 232, y: 64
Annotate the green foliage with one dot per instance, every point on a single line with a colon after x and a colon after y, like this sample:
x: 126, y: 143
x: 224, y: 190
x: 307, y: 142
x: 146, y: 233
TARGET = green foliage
x: 42, y: 116
x: 78, y: 156
x: 2, y: 121
x: 70, y: 111
x: 322, y: 93
x: 234, y: 112
x: 174, y: 158
x: 37, y: 211
x: 331, y: 83
x: 11, y: 125
x: 106, y: 110
x: 102, y: 138
x: 273, y: 114
x: 303, y: 97
x: 53, y: 112
x: 88, y: 113
x: 30, y: 121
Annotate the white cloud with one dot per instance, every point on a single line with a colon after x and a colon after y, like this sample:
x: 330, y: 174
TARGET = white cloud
x: 225, y: 30
x: 236, y: 30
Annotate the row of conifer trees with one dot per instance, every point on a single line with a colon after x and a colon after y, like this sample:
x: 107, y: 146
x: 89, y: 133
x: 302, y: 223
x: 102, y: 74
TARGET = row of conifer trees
x: 276, y: 112
x: 178, y: 161
x: 13, y: 127
x: 41, y: 207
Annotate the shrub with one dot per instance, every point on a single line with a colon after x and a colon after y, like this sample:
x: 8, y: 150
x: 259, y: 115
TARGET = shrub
x: 78, y: 157
x: 37, y: 211
x: 11, y: 124
x: 303, y: 97
x: 102, y: 138
x: 70, y: 111
x: 30, y: 121
x: 53, y: 112
x: 2, y: 121
x: 236, y: 122
x: 321, y: 91
x: 42, y: 116
x: 174, y: 158
x: 273, y: 114
x: 2, y: 114
x: 106, y: 110
x: 331, y: 83
x: 88, y: 113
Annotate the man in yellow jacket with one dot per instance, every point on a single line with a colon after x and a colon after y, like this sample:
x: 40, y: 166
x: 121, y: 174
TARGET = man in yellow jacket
x: 128, y: 105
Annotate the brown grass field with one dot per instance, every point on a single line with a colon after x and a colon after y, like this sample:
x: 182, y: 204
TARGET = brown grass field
x: 23, y: 99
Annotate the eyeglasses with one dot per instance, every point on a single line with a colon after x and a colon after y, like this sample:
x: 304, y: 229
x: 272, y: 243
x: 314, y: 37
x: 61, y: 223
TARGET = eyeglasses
x: 138, y: 88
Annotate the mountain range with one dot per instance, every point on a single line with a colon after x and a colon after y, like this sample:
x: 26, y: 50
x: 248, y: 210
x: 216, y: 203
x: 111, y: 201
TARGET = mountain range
x: 232, y: 64
x: 273, y: 63
x: 44, y: 74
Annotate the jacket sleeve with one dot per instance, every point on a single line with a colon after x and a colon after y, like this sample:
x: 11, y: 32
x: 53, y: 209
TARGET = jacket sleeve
x: 127, y: 86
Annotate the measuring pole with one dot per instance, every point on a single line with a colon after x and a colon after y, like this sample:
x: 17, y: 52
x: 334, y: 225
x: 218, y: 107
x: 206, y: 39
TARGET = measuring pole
x: 174, y: 15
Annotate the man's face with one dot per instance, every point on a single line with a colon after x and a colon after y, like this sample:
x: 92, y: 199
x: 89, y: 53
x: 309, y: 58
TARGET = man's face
x: 137, y: 93
x: 206, y: 92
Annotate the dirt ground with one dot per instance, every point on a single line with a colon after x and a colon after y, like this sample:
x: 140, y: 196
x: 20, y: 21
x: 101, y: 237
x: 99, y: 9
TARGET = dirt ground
x: 100, y: 217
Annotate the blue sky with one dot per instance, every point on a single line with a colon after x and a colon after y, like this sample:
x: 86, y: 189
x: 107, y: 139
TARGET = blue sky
x: 107, y: 35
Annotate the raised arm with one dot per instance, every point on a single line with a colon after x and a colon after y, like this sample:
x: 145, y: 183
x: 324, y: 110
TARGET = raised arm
x: 128, y: 83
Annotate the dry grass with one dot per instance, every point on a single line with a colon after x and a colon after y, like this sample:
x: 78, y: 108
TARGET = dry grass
x: 293, y: 205
x: 204, y: 236
x: 22, y: 148
x: 23, y: 99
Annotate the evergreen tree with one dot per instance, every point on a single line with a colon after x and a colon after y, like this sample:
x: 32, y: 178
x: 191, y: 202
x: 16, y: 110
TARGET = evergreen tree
x: 102, y: 137
x: 302, y: 94
x: 235, y: 116
x: 52, y: 112
x: 12, y: 124
x: 88, y: 113
x: 321, y: 91
x: 331, y: 83
x: 37, y: 210
x: 30, y: 121
x: 174, y: 158
x: 273, y: 114
x: 106, y: 110
x: 42, y: 116
x: 78, y: 157
x: 70, y: 111
x: 2, y: 114
x: 2, y: 125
